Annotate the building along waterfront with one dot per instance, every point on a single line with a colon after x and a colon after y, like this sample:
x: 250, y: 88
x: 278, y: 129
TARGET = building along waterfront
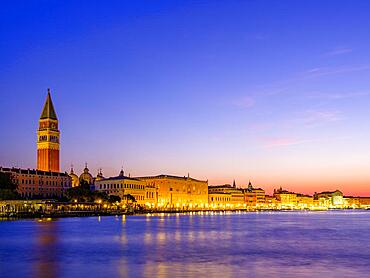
x: 174, y: 192
x: 123, y: 186
x: 235, y: 199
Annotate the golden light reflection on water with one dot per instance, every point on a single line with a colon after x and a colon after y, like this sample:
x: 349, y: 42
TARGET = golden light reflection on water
x: 46, y: 250
x: 148, y: 238
x: 123, y: 268
x: 193, y: 269
x: 161, y: 237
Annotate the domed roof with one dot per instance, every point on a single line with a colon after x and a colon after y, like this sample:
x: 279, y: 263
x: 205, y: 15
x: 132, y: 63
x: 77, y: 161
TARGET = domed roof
x: 121, y: 173
x: 86, y: 176
x: 99, y: 176
x: 74, y: 177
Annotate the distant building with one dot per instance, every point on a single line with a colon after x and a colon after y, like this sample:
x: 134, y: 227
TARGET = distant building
x: 219, y: 200
x: 254, y: 197
x: 364, y: 202
x: 233, y: 197
x: 39, y: 184
x: 352, y: 202
x: 178, y: 192
x: 122, y: 186
x: 285, y: 198
x: 331, y: 199
x: 270, y: 202
x: 304, y: 201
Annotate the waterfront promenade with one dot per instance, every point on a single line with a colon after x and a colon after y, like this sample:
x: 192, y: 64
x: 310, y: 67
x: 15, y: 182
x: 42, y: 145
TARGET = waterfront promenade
x: 15, y: 209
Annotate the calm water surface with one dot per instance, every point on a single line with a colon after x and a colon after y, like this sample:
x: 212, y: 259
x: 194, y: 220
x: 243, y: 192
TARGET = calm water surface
x: 285, y: 244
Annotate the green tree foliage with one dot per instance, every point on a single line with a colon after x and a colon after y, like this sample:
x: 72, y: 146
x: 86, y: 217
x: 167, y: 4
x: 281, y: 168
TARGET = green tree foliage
x: 8, y: 189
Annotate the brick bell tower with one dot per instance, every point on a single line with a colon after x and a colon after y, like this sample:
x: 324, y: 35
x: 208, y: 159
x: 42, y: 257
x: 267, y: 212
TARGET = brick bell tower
x: 48, y: 138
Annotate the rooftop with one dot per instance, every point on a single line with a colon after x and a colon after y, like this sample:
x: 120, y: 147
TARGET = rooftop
x: 170, y: 177
x: 120, y: 177
x: 32, y: 172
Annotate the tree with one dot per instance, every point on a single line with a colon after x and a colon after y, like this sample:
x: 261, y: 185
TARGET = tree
x: 129, y: 197
x: 114, y: 199
x: 82, y: 193
x: 8, y: 189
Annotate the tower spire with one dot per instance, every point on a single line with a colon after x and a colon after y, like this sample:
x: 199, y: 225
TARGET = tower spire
x: 48, y: 112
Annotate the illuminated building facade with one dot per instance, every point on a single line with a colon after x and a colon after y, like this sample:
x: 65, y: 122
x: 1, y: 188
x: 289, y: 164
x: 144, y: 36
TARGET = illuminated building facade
x: 285, y: 198
x: 236, y: 196
x: 74, y: 178
x: 219, y: 200
x: 352, y: 202
x: 331, y: 199
x: 254, y: 197
x: 122, y: 186
x: 364, y: 202
x: 270, y: 202
x: 39, y: 184
x: 48, y: 135
x: 304, y: 201
x: 178, y: 192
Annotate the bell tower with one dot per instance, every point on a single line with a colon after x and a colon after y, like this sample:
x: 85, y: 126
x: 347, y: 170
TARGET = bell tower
x: 48, y: 138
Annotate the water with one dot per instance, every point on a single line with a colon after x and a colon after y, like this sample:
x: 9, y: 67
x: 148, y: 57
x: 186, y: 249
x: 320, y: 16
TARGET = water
x: 279, y: 244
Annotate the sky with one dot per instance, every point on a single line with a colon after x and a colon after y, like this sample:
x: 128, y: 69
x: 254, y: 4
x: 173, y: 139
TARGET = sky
x: 276, y: 92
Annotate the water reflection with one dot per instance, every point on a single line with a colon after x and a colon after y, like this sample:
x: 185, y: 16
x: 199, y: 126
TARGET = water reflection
x: 46, y: 259
x: 179, y: 245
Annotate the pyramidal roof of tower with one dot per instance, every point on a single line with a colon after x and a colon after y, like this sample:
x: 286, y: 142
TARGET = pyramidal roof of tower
x: 48, y: 111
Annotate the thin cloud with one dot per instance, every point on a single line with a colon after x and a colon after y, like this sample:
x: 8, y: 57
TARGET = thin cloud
x: 245, y: 102
x: 284, y: 86
x: 337, y: 96
x: 314, y: 118
x: 319, y: 72
x: 339, y: 51
x: 271, y: 142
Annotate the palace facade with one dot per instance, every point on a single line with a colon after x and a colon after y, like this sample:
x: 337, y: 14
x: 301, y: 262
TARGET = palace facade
x: 123, y: 186
x: 37, y: 183
x: 225, y: 196
x: 178, y: 192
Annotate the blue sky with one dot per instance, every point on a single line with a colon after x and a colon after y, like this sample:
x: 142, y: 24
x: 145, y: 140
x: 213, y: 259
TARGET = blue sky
x: 273, y: 91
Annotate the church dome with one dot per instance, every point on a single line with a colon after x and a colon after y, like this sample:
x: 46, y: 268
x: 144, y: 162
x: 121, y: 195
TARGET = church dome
x: 99, y: 176
x: 86, y: 176
x: 74, y: 177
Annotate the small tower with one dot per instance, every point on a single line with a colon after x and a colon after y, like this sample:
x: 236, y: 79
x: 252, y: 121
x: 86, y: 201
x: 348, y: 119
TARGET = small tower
x: 121, y: 173
x: 250, y: 186
x: 234, y: 184
x: 48, y: 138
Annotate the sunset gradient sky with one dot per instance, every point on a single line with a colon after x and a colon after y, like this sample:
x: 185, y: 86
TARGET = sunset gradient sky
x: 273, y: 91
